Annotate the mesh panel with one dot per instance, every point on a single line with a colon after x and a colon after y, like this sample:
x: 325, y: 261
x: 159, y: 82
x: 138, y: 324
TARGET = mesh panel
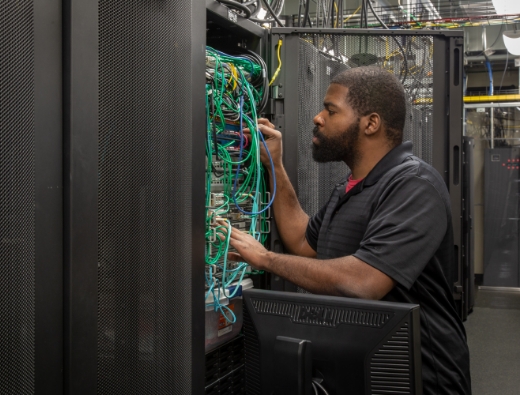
x: 144, y: 201
x: 323, y: 56
x: 17, y: 198
x: 389, y: 364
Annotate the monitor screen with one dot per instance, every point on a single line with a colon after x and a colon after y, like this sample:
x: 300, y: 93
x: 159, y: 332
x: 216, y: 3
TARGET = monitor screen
x: 305, y: 344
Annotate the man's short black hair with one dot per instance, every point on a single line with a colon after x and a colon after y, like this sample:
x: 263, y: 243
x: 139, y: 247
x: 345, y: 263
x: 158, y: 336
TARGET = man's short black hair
x: 373, y: 89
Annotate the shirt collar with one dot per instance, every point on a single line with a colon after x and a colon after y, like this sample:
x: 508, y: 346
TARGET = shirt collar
x: 393, y: 158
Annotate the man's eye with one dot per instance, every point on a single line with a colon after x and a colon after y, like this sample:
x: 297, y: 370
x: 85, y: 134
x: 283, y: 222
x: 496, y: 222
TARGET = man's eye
x: 331, y: 112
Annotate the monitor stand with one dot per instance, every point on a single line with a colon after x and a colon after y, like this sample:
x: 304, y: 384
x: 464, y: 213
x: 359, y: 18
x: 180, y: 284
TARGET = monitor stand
x: 293, y: 366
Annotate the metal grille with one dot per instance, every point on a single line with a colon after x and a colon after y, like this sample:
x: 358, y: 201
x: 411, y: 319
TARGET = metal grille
x: 252, y: 356
x: 225, y: 372
x: 390, y: 365
x: 144, y: 198
x: 17, y: 198
x: 305, y: 313
x: 321, y: 57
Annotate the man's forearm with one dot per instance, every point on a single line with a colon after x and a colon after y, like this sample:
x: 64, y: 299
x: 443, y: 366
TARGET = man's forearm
x: 345, y: 276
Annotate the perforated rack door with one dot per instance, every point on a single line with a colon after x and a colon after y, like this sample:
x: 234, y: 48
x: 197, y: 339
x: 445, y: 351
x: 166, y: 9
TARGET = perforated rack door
x: 31, y: 219
x: 138, y: 209
x: 17, y: 198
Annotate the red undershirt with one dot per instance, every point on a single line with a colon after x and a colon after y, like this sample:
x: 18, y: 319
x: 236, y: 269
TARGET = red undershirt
x: 352, y: 183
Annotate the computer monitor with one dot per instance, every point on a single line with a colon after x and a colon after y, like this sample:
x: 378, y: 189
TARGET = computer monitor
x: 303, y: 344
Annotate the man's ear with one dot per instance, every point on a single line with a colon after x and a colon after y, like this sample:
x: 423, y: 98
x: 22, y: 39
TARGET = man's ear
x: 373, y: 124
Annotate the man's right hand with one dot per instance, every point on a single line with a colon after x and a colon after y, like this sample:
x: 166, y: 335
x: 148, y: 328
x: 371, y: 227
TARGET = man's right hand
x: 291, y: 220
x: 273, y: 140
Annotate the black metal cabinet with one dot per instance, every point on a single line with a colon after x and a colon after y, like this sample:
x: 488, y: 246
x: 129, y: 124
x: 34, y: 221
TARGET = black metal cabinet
x: 501, y: 217
x: 134, y: 93
x: 102, y: 197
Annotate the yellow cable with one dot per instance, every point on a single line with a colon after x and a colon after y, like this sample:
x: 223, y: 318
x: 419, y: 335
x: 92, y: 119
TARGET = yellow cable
x: 230, y: 74
x: 233, y: 76
x: 235, y: 72
x: 355, y: 12
x: 337, y: 13
x: 280, y: 42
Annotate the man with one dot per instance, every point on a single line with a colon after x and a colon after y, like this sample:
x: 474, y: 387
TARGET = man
x: 386, y: 232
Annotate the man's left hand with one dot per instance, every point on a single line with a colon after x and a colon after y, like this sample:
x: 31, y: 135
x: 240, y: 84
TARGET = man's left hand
x: 248, y: 250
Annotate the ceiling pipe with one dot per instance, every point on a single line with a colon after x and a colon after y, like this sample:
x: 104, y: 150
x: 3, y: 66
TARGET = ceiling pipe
x: 473, y: 59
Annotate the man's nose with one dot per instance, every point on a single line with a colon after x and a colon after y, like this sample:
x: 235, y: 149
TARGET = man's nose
x: 318, y: 120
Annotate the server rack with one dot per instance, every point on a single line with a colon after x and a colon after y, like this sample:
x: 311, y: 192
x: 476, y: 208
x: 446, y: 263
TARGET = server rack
x: 224, y: 367
x: 310, y: 58
x: 501, y: 217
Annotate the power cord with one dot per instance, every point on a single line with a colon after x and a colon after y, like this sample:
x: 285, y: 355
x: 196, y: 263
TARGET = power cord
x: 405, y: 60
x: 306, y: 14
x: 237, y: 6
x: 316, y: 383
x: 268, y: 6
x: 274, y: 8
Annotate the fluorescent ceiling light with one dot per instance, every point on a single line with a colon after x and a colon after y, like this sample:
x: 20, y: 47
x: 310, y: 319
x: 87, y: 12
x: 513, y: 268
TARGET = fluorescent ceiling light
x: 512, y: 41
x: 507, y: 7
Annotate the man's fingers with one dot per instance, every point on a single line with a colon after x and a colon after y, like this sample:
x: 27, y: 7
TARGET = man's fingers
x: 222, y: 222
x: 236, y: 234
x: 268, y: 131
x: 261, y: 121
x: 265, y: 127
x: 235, y: 257
x: 264, y: 121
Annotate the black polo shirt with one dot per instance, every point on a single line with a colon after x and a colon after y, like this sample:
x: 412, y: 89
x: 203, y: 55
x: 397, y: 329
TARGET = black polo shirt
x: 398, y: 220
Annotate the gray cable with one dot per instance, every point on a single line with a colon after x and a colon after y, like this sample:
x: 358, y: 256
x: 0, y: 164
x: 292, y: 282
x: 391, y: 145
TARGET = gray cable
x: 405, y: 61
x: 320, y: 387
x: 275, y: 16
x: 505, y: 69
x: 306, y: 13
x: 377, y: 16
x: 325, y: 17
x: 277, y: 11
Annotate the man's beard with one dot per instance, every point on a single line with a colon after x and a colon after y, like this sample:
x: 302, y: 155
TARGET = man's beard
x: 343, y: 147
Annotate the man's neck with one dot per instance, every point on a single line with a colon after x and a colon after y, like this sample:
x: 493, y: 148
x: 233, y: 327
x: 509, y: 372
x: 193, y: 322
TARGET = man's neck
x: 370, y: 157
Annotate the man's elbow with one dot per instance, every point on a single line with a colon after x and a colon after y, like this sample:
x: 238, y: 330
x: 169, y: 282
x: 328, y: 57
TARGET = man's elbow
x: 303, y: 249
x: 367, y: 289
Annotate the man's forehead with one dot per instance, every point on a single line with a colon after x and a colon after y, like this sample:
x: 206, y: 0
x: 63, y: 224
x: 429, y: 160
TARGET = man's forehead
x: 336, y: 95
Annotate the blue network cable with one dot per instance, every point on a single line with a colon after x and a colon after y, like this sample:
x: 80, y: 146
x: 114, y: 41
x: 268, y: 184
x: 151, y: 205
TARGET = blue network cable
x: 238, y: 168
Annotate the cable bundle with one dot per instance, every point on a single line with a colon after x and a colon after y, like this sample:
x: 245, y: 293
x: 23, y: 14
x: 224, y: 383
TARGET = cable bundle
x: 236, y: 192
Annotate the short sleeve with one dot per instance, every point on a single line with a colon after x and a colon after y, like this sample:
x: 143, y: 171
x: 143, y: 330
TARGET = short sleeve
x: 406, y: 229
x: 313, y: 228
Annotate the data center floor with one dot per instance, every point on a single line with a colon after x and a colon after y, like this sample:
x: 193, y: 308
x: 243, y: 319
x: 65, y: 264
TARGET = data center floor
x: 493, y: 330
